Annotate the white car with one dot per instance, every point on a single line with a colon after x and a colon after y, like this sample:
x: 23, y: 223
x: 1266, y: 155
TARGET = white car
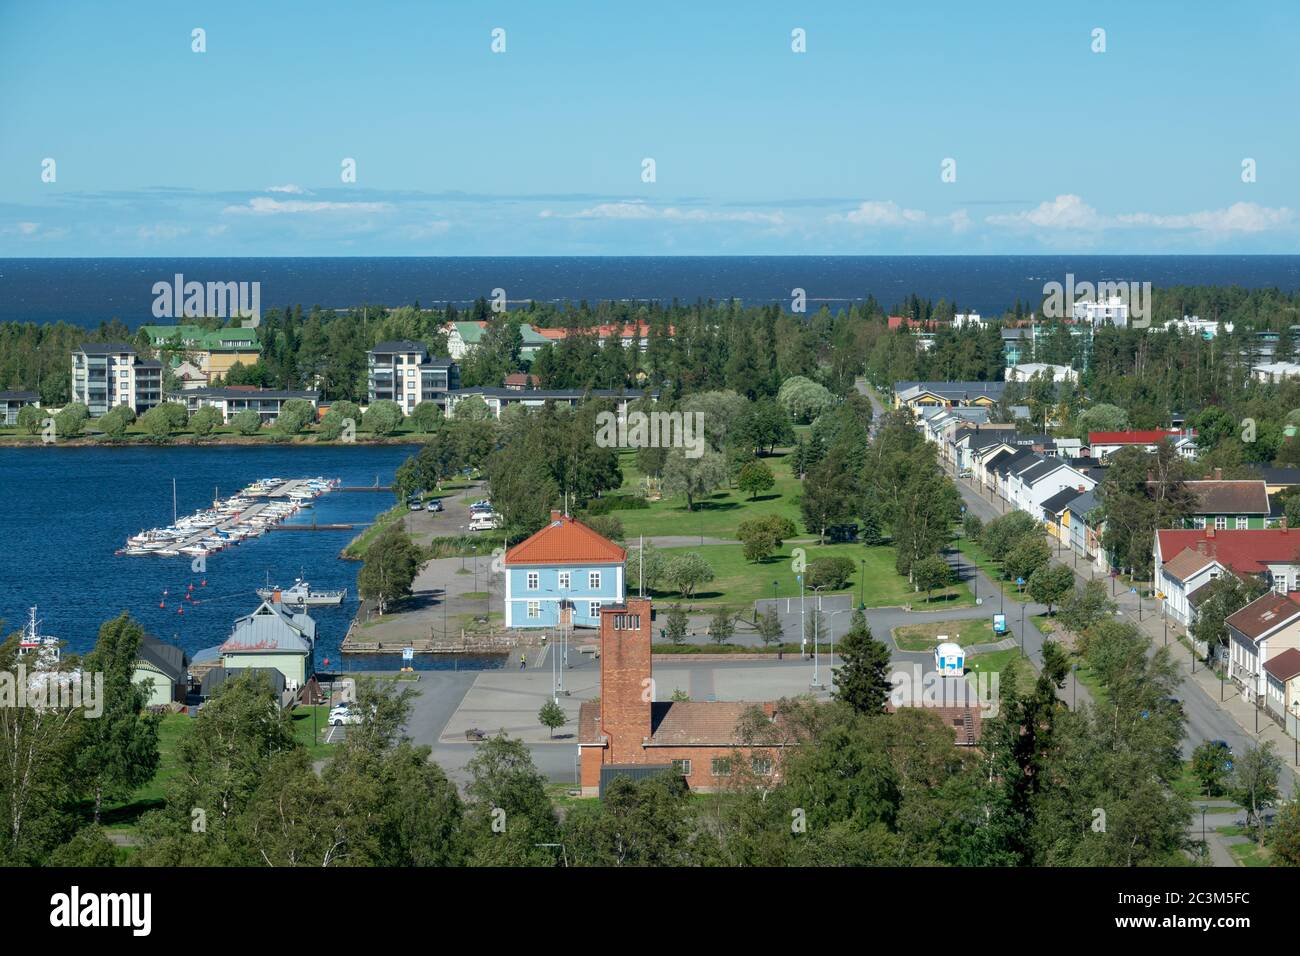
x: 340, y: 717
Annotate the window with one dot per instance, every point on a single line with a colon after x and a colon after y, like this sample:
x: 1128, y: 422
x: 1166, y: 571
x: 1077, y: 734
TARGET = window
x: 683, y: 767
x: 534, y: 580
x: 1242, y: 523
x: 627, y: 622
x: 1198, y: 521
x: 593, y: 609
x: 722, y: 766
x: 593, y: 580
x: 1220, y: 523
x: 564, y: 579
x: 534, y: 609
x: 762, y: 766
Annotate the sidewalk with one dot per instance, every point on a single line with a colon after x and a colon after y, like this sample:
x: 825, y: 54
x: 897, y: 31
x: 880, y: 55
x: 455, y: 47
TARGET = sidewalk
x: 1204, y: 680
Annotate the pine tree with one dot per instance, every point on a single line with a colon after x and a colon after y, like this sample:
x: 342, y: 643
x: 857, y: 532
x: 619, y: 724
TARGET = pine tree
x: 863, y: 681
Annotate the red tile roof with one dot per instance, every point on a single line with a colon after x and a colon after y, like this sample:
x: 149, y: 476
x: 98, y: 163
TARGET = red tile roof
x: 565, y: 541
x: 697, y: 723
x: 1134, y: 438
x: 1284, y: 666
x: 1245, y: 552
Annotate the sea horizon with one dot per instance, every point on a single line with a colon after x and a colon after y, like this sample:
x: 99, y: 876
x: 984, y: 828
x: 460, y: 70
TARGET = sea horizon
x: 86, y: 291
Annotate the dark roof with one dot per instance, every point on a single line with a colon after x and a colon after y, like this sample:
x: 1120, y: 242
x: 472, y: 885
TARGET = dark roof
x: 1086, y: 503
x: 1278, y: 476
x: 1041, y: 470
x: 232, y: 392
x: 1229, y: 497
x: 168, y: 658
x: 1013, y: 464
x: 563, y: 394
x: 219, y: 675
x: 105, y: 348
x: 1200, y: 595
x: 19, y: 397
x: 400, y: 345
x: 1056, y: 504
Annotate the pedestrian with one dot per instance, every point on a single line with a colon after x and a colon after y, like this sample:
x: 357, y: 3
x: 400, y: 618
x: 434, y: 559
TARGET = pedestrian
x: 523, y: 661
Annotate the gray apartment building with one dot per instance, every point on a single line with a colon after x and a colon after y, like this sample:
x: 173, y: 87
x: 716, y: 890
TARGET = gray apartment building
x: 105, y: 374
x: 403, y: 371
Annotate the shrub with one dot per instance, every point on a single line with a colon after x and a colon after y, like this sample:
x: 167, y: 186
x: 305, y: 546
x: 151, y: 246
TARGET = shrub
x: 829, y: 573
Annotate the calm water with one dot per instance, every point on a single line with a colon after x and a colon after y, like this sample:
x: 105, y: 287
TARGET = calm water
x: 89, y: 291
x: 66, y: 510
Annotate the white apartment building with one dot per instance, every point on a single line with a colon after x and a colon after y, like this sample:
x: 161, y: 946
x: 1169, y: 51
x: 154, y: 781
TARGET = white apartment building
x: 403, y: 371
x: 105, y: 374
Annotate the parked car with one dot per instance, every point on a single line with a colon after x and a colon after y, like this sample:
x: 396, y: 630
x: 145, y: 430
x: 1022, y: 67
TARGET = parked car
x: 484, y: 521
x: 433, y: 504
x: 340, y: 718
x: 415, y: 506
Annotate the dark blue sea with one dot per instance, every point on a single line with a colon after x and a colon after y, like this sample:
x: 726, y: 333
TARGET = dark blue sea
x: 88, y: 291
x: 66, y: 510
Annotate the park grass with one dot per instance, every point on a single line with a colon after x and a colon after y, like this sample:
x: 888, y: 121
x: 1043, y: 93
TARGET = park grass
x: 1000, y: 662
x: 925, y: 637
x: 356, y: 548
x: 1250, y: 854
x: 303, y: 730
x: 738, y: 583
x: 124, y: 817
x: 716, y: 516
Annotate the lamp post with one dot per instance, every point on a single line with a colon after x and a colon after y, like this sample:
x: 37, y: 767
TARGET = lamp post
x: 862, y: 587
x: 817, y: 613
x: 1022, y: 630
x: 803, y: 627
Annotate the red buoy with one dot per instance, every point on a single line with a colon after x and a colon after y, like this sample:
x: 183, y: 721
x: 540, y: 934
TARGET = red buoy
x: 162, y: 603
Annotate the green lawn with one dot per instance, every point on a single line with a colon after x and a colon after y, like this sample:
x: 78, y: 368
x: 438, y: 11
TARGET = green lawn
x: 125, y: 815
x: 715, y: 517
x: 738, y: 583
x: 313, y: 737
x: 1001, y: 662
x: 925, y: 637
x: 1250, y: 854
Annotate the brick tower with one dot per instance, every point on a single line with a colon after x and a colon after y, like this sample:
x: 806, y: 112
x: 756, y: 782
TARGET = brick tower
x: 626, y: 691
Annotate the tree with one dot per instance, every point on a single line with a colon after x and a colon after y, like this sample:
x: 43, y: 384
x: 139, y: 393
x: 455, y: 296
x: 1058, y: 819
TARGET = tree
x: 31, y: 419
x: 389, y: 567
x: 508, y: 811
x: 158, y: 423
x: 205, y: 421
x: 1050, y: 584
x: 803, y: 399
x: 1085, y: 607
x: 761, y: 537
x: 721, y: 626
x: 1029, y: 554
x: 114, y: 423
x: 972, y: 526
x: 71, y: 421
x: 829, y: 573
x: 1254, y: 782
x: 1224, y: 596
x: 247, y: 422
x: 295, y: 415
x: 863, y: 680
x: 1101, y: 417
x: 1285, y: 842
x: 684, y: 573
x: 426, y: 417
x: 119, y: 748
x: 677, y: 624
x: 1210, y: 767
x: 755, y: 477
x: 769, y: 626
x: 693, y: 478
x: 552, y: 716
x: 931, y: 574
x: 382, y: 418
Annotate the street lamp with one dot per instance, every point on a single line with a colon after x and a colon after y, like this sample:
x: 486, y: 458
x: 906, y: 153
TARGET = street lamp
x: 817, y: 613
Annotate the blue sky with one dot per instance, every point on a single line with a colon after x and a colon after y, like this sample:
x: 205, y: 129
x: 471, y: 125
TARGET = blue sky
x: 161, y: 151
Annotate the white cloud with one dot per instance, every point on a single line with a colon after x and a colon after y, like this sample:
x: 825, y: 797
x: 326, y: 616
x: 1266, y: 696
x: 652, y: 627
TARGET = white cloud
x: 287, y: 188
x: 1239, y: 217
x: 877, y: 213
x: 1064, y: 212
x: 265, y: 206
x: 1070, y: 212
x: 640, y: 210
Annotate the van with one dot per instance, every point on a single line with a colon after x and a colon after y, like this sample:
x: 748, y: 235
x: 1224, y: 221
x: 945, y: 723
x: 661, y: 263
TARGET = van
x: 484, y: 521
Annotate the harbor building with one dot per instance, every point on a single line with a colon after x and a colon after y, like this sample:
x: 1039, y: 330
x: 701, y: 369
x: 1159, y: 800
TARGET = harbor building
x: 164, y: 669
x: 404, y: 372
x: 11, y: 403
x: 271, y: 636
x: 230, y: 400
x: 105, y: 374
x: 562, y: 576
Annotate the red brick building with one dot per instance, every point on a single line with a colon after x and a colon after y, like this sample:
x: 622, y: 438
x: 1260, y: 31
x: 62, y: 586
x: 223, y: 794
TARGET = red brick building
x: 627, y: 727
